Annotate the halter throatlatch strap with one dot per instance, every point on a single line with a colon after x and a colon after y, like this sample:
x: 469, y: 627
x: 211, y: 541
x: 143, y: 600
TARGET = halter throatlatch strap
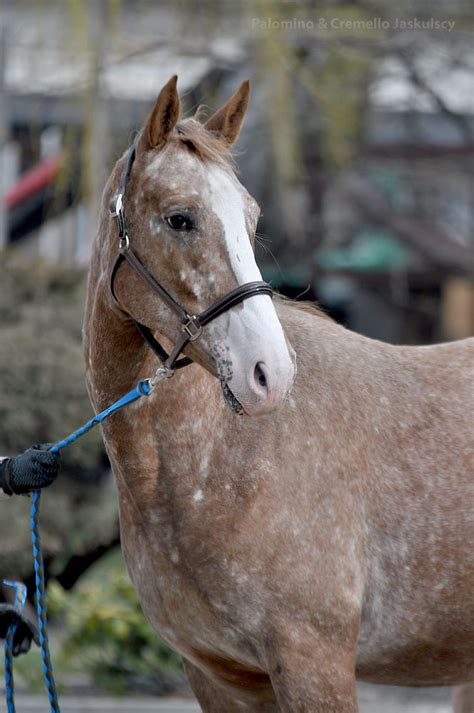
x: 192, y: 324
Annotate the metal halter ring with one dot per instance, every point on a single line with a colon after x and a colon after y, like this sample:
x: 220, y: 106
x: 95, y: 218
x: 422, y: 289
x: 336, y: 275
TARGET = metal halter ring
x: 124, y: 242
x: 163, y: 372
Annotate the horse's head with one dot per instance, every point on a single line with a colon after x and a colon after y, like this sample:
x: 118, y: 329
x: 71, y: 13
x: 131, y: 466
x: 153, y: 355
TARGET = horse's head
x: 192, y: 224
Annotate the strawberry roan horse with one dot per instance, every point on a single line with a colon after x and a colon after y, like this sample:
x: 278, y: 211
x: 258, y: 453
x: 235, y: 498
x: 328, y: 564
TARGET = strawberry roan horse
x: 327, y: 540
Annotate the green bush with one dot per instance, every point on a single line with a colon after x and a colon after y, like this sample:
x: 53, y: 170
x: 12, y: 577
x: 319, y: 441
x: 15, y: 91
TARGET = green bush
x: 42, y: 385
x: 43, y: 398
x: 107, y: 635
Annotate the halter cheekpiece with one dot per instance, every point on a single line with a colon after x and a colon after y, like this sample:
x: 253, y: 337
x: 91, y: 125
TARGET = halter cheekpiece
x: 192, y: 324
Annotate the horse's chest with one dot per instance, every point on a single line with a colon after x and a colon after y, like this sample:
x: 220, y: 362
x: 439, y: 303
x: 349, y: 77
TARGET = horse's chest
x: 173, y: 598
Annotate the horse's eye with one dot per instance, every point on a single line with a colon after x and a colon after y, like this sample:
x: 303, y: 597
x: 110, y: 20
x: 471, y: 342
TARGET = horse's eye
x: 181, y: 222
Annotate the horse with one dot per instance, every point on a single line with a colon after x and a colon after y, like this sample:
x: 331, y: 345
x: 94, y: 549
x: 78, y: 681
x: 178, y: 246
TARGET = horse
x: 296, y: 505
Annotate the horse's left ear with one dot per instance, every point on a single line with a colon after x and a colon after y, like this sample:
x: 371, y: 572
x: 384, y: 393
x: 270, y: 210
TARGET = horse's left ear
x: 164, y: 116
x: 226, y: 122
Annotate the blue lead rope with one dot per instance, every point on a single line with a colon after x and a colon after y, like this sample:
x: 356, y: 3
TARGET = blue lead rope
x: 143, y: 388
x: 19, y: 602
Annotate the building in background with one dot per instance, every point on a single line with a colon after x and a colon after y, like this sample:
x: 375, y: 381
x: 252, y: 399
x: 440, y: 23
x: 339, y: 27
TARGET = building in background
x: 357, y: 146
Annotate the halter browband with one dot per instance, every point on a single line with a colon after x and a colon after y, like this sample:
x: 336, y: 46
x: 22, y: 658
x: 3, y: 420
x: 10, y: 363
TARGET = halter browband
x: 192, y: 324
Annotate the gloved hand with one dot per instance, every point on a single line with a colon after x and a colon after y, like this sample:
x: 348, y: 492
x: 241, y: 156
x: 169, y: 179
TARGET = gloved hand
x: 35, y: 468
x: 25, y: 631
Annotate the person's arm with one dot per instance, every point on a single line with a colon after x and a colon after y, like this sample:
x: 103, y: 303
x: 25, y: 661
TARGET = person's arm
x: 34, y: 469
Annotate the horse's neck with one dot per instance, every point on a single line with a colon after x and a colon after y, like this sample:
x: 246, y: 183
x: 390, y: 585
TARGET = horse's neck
x: 115, y: 355
x: 116, y: 358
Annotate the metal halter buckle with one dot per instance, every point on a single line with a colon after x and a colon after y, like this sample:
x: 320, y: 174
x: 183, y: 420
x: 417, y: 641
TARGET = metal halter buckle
x: 192, y: 328
x: 116, y: 204
x: 116, y: 210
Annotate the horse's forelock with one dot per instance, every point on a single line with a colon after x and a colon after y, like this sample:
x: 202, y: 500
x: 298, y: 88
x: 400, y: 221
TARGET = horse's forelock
x: 208, y: 147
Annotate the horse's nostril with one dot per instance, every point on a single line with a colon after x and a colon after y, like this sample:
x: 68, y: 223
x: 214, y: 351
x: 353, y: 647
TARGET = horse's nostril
x: 260, y: 377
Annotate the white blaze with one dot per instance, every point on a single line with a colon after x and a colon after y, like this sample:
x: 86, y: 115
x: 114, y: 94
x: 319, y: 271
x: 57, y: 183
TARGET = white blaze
x: 254, y: 332
x: 258, y: 314
x: 227, y: 203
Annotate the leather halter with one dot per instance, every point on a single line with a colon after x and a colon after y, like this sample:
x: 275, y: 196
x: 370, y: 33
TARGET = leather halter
x: 192, y: 324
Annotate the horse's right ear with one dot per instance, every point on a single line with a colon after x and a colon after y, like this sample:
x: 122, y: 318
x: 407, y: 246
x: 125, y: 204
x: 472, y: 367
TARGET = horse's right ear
x: 163, y: 118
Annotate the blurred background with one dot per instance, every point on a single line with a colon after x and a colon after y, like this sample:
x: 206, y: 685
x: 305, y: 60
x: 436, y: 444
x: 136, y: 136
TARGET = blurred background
x: 358, y: 145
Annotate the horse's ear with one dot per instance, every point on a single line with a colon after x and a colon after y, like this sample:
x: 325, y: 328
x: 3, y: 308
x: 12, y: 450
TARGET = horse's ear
x: 226, y: 122
x: 163, y: 117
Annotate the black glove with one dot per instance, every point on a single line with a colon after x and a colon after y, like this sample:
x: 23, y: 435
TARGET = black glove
x: 25, y: 631
x: 34, y: 469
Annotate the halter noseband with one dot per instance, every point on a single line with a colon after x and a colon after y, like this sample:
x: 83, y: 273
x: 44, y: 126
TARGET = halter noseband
x: 192, y: 324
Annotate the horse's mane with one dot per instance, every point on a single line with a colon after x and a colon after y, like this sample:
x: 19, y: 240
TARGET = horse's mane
x: 309, y: 307
x: 206, y: 145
